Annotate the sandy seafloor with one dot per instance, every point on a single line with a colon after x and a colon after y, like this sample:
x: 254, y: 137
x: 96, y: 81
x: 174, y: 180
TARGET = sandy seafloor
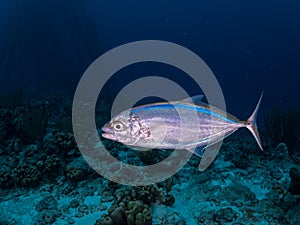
x: 254, y: 193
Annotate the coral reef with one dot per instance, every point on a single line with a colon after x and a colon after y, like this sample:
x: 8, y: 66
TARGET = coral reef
x: 295, y: 181
x: 5, y: 124
x: 51, y: 183
x: 153, y: 156
x: 48, y: 210
x: 132, y: 206
x: 27, y: 123
x: 59, y: 142
x: 52, y: 164
x: 12, y: 99
x: 77, y: 170
x: 27, y: 175
x: 6, y: 180
x: 284, y: 126
x: 30, y: 123
x: 162, y: 216
x: 32, y: 151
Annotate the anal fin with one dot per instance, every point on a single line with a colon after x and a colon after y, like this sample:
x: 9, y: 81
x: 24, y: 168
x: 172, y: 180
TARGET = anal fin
x: 207, y: 153
x: 198, y: 151
x: 208, y: 157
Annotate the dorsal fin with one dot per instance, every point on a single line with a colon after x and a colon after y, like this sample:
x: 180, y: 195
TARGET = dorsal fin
x: 196, y: 99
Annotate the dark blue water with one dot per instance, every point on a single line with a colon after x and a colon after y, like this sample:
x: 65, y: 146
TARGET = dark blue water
x: 251, y: 46
x: 47, y: 45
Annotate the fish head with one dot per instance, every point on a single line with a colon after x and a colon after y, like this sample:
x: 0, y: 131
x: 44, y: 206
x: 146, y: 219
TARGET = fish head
x: 119, y: 129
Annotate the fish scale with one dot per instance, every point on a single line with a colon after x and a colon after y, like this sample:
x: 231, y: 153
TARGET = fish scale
x: 172, y: 115
x: 177, y: 125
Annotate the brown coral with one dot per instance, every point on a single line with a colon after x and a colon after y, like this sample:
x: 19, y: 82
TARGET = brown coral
x: 132, y: 206
x: 27, y: 175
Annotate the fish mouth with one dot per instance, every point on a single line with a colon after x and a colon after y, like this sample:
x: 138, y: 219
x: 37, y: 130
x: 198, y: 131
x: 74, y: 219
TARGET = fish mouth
x: 108, y: 133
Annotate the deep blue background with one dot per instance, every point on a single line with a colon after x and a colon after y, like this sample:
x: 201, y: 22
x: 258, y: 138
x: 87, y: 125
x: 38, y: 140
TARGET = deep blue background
x: 250, y: 45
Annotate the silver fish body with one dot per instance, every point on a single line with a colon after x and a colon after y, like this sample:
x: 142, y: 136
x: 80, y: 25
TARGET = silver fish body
x: 175, y: 125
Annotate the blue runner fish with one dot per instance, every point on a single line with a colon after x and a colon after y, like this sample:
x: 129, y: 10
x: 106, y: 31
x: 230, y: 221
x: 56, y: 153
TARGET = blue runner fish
x: 187, y: 124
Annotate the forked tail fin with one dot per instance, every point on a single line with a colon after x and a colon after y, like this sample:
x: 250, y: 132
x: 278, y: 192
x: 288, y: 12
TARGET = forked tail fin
x: 251, y: 123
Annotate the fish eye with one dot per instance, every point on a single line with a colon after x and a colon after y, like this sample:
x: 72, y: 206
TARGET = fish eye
x: 118, y: 126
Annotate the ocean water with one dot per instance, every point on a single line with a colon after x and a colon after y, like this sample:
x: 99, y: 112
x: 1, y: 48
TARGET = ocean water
x: 67, y: 67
